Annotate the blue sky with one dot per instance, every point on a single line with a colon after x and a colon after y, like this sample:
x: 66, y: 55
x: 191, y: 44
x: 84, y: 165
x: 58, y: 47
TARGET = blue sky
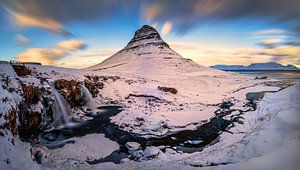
x: 80, y: 33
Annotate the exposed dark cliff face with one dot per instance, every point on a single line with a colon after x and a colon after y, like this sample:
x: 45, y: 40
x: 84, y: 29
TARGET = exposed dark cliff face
x: 70, y: 89
x: 11, y: 122
x: 31, y: 93
x: 21, y: 70
x: 30, y: 121
x: 95, y: 83
x: 29, y: 117
x: 146, y: 36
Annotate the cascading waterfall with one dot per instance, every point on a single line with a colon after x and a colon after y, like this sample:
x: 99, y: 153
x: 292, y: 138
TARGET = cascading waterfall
x: 60, y: 110
x: 90, y: 102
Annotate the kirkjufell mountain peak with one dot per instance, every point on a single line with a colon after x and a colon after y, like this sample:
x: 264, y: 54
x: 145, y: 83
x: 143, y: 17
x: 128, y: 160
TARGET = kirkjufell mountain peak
x: 146, y: 36
x: 147, y: 52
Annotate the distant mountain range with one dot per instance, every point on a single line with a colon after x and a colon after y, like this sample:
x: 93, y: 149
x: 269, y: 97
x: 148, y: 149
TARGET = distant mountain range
x: 270, y: 66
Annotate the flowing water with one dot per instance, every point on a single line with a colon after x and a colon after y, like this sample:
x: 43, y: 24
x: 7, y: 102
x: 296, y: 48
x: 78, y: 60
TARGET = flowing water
x: 60, y: 109
x: 88, y: 98
x: 185, y: 141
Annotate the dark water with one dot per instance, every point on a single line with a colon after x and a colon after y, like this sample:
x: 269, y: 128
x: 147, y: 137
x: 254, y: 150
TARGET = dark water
x: 282, y: 75
x: 185, y: 141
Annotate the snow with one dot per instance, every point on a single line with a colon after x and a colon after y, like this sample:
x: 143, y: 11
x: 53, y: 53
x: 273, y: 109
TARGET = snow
x: 86, y: 148
x: 132, y: 145
x: 17, y: 155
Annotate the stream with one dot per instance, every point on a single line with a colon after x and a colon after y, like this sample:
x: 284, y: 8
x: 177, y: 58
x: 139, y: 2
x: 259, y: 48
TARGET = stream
x: 186, y: 141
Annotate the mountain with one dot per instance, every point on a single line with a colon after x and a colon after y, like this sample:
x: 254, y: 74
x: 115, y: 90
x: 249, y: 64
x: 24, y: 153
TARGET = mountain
x: 255, y: 66
x: 147, y: 53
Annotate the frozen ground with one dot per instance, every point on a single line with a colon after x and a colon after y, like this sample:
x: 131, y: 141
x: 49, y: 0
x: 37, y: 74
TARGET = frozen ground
x: 268, y: 132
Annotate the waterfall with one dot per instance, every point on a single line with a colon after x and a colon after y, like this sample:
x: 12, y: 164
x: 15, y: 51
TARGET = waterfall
x: 61, y: 116
x: 88, y: 98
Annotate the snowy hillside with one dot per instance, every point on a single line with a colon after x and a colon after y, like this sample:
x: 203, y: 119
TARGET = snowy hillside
x: 256, y: 66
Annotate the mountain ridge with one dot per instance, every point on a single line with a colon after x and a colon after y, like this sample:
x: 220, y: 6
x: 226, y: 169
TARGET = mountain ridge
x: 256, y: 66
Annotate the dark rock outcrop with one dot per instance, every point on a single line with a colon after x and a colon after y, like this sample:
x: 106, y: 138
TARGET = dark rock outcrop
x: 167, y: 89
x: 70, y: 89
x: 11, y: 122
x: 31, y: 93
x: 29, y: 122
x: 21, y: 70
x: 146, y: 36
x: 95, y: 83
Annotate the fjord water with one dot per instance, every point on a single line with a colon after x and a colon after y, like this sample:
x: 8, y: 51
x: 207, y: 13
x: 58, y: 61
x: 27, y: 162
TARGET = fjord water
x: 283, y: 75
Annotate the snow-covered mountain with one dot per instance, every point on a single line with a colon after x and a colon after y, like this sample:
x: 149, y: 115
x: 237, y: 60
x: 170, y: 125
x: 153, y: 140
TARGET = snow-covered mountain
x: 147, y: 53
x: 256, y: 66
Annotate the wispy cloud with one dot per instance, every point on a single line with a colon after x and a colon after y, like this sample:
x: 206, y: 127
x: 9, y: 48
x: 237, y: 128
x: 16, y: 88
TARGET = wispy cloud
x: 166, y: 28
x: 270, y: 32
x: 51, y: 55
x: 54, y: 14
x: 22, y: 40
x: 211, y: 54
x: 270, y: 43
x: 24, y: 20
x: 86, y: 58
x: 184, y: 15
x: 71, y: 45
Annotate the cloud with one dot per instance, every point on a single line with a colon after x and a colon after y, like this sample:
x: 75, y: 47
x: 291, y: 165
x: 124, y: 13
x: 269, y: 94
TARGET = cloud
x: 270, y: 43
x: 166, y: 28
x: 71, y: 45
x: 51, y: 55
x: 270, y: 32
x: 22, y: 40
x: 53, y: 15
x: 45, y: 56
x: 24, y: 20
x: 87, y: 58
x: 207, y: 55
x: 186, y: 14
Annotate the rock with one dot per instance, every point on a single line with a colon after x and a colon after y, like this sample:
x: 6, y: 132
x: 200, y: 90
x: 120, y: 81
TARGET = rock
x: 132, y: 145
x: 162, y: 148
x: 145, y: 36
x: 193, y: 142
x: 29, y: 121
x: 170, y: 151
x: 11, y: 122
x: 261, y: 78
x: 31, y: 93
x: 167, y: 89
x: 21, y: 70
x: 151, y: 152
x: 226, y: 105
x: 124, y: 160
x: 71, y: 91
x: 93, y: 86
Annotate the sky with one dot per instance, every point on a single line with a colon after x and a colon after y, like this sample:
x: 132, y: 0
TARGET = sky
x: 81, y: 33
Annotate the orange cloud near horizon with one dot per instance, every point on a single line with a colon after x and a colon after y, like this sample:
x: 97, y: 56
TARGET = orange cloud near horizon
x: 51, y: 55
